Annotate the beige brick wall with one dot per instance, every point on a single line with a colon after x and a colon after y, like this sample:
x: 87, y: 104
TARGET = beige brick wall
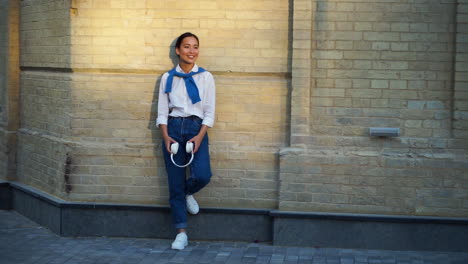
x: 116, y: 155
x: 43, y: 139
x: 46, y: 102
x: 377, y: 64
x: 460, y: 94
x: 3, y: 58
x: 382, y: 64
x: 9, y: 87
x: 3, y: 88
x: 45, y: 33
x: 298, y: 85
x: 239, y: 36
x: 102, y: 114
x: 42, y: 161
x: 360, y: 182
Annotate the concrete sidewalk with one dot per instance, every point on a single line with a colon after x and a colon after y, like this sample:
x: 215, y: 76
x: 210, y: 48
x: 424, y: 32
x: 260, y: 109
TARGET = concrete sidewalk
x: 23, y: 241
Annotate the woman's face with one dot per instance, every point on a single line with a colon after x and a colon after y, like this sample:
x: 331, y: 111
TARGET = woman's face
x: 188, y: 51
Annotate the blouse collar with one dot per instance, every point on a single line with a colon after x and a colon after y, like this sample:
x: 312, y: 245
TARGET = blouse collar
x: 194, y: 69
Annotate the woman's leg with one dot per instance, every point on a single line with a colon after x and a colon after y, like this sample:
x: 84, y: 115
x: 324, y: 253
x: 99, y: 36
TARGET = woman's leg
x: 200, y: 169
x: 182, y: 130
x: 176, y: 182
x: 176, y: 178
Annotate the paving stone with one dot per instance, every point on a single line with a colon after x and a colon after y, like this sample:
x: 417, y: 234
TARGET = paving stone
x: 22, y: 242
x: 346, y: 260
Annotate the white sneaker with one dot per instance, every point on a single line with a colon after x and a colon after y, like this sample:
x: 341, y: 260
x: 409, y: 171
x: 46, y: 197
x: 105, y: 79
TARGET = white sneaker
x: 180, y: 242
x: 192, y: 205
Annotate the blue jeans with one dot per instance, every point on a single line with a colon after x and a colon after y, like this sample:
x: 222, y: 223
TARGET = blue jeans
x: 182, y: 130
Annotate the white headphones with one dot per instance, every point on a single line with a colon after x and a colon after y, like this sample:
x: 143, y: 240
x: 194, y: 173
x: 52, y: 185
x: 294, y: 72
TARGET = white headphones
x: 188, y: 149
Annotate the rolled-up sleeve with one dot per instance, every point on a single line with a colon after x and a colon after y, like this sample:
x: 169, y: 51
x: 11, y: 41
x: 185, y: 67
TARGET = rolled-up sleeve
x: 209, y: 101
x: 163, y: 103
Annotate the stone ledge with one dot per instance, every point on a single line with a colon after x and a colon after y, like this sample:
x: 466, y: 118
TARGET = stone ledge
x: 88, y: 205
x: 131, y: 220
x: 369, y: 217
x: 370, y: 231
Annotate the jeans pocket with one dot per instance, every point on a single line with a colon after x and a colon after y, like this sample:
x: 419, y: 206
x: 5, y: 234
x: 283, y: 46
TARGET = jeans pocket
x: 172, y: 127
x: 196, y: 125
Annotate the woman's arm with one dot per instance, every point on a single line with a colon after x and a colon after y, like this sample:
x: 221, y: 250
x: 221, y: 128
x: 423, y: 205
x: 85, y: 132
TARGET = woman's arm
x: 199, y: 137
x: 167, y: 139
x: 163, y: 113
x: 209, y: 106
x: 209, y: 100
x: 163, y: 103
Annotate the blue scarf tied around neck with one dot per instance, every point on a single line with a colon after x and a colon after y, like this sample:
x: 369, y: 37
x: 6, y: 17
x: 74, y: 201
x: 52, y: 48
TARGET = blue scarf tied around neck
x: 190, y: 84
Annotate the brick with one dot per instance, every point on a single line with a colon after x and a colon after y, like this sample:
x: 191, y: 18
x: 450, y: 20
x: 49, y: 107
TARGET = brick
x: 400, y: 27
x: 379, y: 84
x: 344, y: 26
x: 419, y: 27
x: 400, y: 94
x: 400, y: 46
x: 390, y: 65
x: 416, y: 104
x: 362, y: 26
x: 325, y: 26
x: 382, y: 27
x: 362, y: 45
x: 380, y: 45
x: 325, y: 44
x: 328, y: 55
x: 362, y: 64
x: 344, y: 64
x: 364, y: 93
x: 435, y: 105
x: 362, y: 83
x: 344, y: 45
x: 343, y: 7
x: 363, y: 55
x: 325, y: 63
x: 419, y: 37
x: 325, y: 92
x: 397, y: 84
x: 381, y: 36
x: 379, y: 103
x: 337, y: 35
x: 413, y: 123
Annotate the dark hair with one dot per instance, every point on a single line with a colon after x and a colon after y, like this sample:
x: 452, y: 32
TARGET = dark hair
x: 185, y: 35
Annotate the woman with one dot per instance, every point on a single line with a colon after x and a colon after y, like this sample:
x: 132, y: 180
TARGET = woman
x: 186, y: 109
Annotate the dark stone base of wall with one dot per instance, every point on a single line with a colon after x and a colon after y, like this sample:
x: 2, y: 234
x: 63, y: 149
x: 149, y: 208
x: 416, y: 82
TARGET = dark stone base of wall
x: 125, y: 220
x: 281, y: 228
x: 370, y: 231
x: 5, y: 196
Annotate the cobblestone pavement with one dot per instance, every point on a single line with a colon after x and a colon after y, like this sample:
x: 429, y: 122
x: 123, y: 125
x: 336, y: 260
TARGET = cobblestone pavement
x: 23, y: 241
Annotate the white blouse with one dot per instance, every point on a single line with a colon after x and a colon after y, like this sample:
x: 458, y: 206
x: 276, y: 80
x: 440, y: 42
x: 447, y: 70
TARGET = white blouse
x: 177, y: 103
